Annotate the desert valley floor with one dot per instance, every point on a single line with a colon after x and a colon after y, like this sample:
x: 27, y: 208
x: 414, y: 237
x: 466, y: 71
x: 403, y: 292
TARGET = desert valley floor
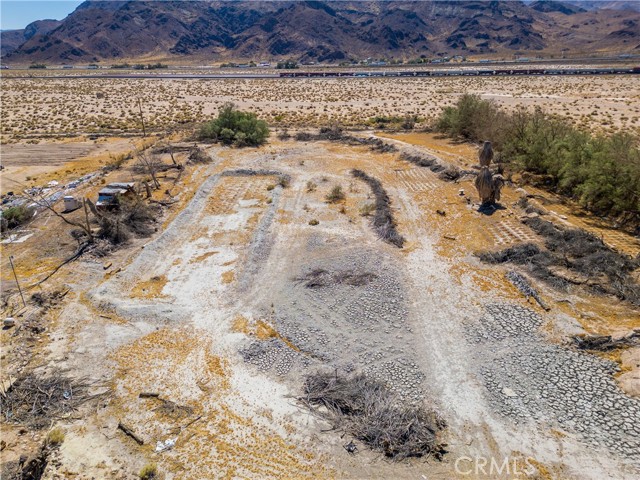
x: 250, y: 283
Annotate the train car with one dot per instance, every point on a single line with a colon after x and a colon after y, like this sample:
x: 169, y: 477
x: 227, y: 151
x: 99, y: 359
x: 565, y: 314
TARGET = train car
x: 459, y: 73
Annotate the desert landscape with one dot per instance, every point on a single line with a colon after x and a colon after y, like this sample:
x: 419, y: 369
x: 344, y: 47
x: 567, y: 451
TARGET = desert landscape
x: 39, y: 107
x: 412, y: 278
x: 251, y: 279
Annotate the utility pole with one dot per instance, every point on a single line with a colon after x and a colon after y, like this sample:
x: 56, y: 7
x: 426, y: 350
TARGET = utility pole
x: 144, y: 131
x: 86, y: 216
x: 16, y: 277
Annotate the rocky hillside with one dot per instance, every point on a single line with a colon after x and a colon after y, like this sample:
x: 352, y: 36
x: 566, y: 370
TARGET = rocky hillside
x: 10, y: 40
x: 327, y: 31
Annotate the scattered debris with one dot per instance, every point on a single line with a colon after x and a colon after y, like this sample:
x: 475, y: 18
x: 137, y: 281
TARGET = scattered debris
x: 148, y: 395
x: 172, y: 409
x: 168, y: 444
x: 351, y: 447
x: 6, y: 385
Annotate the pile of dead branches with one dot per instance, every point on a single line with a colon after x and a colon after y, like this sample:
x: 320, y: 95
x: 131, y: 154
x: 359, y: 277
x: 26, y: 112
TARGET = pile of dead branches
x: 320, y: 278
x: 335, y: 133
x: 133, y: 218
x: 572, y: 256
x: 373, y: 414
x: 38, y: 399
x: 383, y: 221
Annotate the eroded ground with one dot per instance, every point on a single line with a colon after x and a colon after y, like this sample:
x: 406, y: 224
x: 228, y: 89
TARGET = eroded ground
x: 223, y: 311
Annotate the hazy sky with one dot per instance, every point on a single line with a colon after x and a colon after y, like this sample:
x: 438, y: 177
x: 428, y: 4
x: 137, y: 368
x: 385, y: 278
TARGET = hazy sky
x: 20, y: 13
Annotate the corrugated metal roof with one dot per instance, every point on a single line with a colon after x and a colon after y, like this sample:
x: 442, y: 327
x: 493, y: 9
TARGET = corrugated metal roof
x: 112, y: 191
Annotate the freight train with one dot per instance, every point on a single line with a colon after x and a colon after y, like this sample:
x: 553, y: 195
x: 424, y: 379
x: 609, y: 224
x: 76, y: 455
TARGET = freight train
x: 464, y: 73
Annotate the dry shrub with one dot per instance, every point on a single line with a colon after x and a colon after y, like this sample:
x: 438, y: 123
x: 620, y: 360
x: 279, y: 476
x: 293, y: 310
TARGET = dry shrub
x: 148, y: 472
x: 578, y: 252
x: 303, y: 136
x: 368, y: 410
x: 133, y: 218
x: 335, y: 195
x: 198, y: 155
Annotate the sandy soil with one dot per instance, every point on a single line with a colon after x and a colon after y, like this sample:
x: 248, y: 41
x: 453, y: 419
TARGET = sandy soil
x: 36, y: 107
x: 29, y: 163
x: 211, y: 314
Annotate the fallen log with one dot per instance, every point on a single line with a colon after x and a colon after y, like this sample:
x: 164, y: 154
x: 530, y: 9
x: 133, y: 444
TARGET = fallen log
x: 130, y: 433
x: 604, y: 343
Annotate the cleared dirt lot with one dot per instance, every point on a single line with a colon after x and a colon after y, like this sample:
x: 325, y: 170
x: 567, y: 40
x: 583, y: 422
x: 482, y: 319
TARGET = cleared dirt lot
x: 217, y: 313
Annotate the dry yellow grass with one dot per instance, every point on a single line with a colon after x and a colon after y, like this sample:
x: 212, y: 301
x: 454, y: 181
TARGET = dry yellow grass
x: 151, y: 288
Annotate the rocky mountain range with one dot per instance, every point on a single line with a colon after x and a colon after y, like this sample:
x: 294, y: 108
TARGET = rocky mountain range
x: 319, y: 31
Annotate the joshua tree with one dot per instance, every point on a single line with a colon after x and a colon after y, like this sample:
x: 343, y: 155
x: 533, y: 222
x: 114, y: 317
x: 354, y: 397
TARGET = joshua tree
x: 487, y: 184
x: 486, y: 154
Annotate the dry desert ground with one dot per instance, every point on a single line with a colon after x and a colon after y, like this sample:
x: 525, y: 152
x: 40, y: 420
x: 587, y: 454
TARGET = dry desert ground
x: 249, y: 283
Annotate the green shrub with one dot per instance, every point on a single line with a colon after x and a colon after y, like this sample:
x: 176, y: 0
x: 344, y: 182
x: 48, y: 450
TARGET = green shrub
x: 472, y: 119
x: 233, y: 127
x: 287, y: 65
x: 148, y: 472
x: 602, y: 173
x: 335, y: 195
x: 55, y: 437
x: 13, y: 217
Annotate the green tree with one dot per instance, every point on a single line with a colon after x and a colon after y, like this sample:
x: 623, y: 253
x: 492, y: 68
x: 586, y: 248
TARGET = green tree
x: 233, y: 127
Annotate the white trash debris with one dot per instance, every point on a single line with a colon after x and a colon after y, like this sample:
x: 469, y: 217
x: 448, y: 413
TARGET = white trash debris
x: 166, y: 445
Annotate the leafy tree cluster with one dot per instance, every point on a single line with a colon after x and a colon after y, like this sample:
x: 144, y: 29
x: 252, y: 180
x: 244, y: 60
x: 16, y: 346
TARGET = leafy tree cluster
x: 287, y: 65
x: 234, y: 127
x: 601, y: 172
x: 13, y: 217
